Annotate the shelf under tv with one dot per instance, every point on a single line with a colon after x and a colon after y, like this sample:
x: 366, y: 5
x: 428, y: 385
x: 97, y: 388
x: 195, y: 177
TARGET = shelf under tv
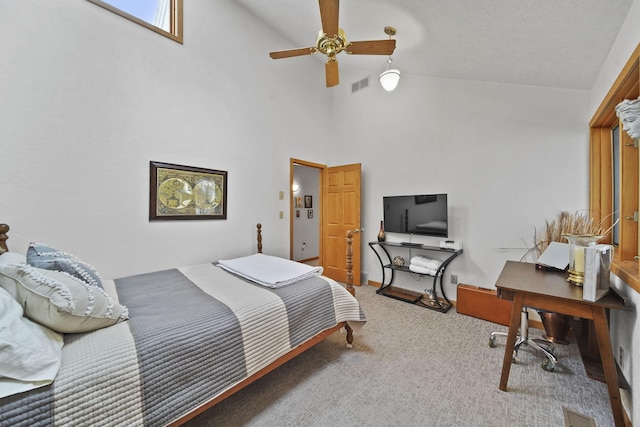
x: 434, y: 300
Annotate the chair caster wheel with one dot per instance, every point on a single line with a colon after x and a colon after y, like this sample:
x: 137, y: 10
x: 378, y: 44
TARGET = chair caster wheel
x: 492, y: 342
x: 548, y: 366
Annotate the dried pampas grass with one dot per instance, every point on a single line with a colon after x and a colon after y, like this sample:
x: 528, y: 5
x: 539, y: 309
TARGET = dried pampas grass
x: 567, y: 223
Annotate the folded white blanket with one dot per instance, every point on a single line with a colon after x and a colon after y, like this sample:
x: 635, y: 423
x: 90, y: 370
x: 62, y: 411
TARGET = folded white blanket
x: 422, y: 261
x: 422, y: 270
x: 268, y: 270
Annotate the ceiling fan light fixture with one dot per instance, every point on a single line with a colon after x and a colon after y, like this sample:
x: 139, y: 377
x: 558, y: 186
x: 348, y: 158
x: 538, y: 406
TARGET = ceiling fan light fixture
x: 332, y: 40
x: 390, y: 77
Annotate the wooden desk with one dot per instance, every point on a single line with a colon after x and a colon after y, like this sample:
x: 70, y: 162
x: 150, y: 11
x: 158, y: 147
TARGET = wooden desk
x: 526, y: 286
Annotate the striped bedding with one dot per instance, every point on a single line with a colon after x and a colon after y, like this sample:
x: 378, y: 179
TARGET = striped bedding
x: 193, y: 333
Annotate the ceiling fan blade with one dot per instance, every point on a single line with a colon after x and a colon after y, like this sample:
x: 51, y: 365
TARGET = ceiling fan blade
x: 293, y: 52
x: 371, y: 47
x: 331, y: 71
x: 329, y: 11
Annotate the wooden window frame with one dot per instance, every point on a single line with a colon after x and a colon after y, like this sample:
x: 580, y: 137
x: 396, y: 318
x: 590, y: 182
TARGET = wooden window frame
x: 175, y: 26
x: 626, y: 86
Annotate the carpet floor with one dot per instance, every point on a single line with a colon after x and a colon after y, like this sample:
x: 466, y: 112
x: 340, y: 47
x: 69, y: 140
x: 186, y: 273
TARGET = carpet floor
x: 411, y: 366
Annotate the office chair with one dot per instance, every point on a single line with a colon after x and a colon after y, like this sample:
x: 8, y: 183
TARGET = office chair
x: 523, y: 338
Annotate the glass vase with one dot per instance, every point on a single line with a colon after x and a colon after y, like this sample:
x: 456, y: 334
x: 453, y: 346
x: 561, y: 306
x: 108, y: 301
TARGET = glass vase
x: 577, y: 243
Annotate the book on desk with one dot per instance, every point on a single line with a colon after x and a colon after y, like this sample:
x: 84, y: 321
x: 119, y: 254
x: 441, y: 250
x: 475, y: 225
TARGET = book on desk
x: 554, y: 258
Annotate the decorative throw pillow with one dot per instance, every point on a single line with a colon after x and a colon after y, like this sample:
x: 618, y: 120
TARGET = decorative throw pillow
x: 59, y: 300
x: 43, y: 256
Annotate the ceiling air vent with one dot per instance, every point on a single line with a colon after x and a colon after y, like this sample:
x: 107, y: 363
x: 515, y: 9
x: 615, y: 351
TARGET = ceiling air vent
x: 360, y: 84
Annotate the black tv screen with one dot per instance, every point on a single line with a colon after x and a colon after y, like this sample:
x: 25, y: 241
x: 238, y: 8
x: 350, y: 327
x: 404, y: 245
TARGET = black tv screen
x: 418, y: 214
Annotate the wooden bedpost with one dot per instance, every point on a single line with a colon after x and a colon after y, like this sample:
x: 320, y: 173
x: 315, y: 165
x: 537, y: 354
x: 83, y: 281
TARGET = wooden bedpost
x: 349, y: 335
x: 350, y: 287
x: 4, y: 229
x: 259, y: 238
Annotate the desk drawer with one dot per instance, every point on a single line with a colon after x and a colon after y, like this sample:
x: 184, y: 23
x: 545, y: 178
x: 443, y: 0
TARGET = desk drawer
x: 483, y: 304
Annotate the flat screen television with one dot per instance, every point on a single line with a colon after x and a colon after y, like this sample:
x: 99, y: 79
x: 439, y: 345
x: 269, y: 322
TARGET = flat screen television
x: 424, y: 214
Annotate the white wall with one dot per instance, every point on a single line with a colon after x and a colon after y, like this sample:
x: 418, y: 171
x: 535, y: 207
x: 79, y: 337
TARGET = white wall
x: 624, y: 45
x: 509, y: 157
x: 89, y: 98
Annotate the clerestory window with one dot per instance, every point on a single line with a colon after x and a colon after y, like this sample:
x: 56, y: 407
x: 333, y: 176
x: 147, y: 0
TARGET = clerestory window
x: 162, y: 16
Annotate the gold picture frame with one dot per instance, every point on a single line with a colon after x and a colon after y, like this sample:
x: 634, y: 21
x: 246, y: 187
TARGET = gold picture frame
x: 179, y: 192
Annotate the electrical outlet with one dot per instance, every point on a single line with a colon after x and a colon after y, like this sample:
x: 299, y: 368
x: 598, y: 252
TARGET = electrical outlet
x: 621, y: 357
x: 454, y: 279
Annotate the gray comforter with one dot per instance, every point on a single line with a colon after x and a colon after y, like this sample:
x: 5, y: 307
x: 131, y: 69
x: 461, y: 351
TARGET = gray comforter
x: 193, y: 333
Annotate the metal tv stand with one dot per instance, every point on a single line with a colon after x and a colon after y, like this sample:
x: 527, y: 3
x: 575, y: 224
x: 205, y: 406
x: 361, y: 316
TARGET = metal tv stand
x: 432, y: 300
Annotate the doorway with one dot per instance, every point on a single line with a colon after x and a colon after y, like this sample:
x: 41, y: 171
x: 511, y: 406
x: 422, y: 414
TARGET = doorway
x: 328, y: 217
x: 306, y: 190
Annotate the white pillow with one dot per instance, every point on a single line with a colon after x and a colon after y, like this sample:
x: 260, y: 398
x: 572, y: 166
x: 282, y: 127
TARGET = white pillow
x: 30, y: 354
x: 60, y: 301
x: 12, y: 258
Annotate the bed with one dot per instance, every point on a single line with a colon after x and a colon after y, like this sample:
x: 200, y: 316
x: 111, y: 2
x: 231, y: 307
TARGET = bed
x: 175, y: 342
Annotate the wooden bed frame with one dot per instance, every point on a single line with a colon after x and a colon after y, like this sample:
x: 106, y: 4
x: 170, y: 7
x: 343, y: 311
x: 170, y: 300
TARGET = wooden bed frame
x: 4, y: 229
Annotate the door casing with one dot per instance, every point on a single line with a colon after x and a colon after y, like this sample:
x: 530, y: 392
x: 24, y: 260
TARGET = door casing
x: 356, y: 245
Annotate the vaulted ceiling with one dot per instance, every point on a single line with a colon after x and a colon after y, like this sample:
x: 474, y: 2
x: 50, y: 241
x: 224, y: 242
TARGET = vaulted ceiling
x: 554, y: 43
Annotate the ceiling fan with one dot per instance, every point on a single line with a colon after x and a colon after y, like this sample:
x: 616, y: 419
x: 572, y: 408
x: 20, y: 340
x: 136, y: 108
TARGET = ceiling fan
x: 332, y: 40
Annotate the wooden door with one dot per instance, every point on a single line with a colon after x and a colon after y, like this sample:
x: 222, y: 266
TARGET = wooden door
x: 341, y: 213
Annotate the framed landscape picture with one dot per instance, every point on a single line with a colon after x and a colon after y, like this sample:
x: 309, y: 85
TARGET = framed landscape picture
x: 180, y: 192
